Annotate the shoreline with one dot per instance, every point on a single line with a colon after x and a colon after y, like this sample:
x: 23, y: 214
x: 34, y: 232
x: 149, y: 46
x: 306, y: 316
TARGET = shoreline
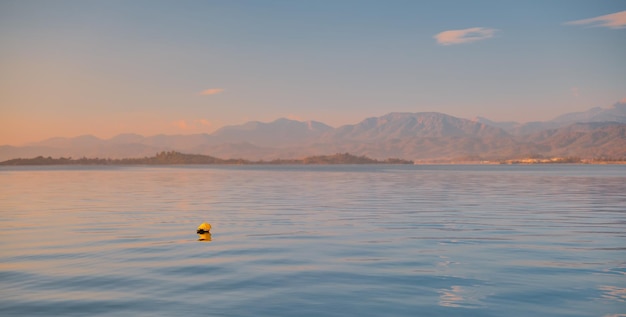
x: 177, y: 158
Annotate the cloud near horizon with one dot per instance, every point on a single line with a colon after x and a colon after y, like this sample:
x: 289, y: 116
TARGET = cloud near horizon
x: 212, y: 91
x: 470, y: 35
x: 192, y: 125
x: 613, y: 21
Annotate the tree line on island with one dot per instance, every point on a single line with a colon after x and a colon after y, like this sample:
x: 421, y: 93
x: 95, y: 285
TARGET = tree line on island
x: 177, y: 158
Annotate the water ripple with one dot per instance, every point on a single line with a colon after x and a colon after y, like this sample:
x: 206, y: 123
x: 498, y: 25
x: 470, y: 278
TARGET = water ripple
x: 314, y: 241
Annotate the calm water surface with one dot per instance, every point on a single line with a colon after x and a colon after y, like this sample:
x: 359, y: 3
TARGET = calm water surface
x: 543, y: 240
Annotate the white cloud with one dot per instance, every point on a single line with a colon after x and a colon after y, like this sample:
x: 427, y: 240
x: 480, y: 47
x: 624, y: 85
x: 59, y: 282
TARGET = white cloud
x: 212, y: 91
x: 613, y: 21
x: 451, y: 37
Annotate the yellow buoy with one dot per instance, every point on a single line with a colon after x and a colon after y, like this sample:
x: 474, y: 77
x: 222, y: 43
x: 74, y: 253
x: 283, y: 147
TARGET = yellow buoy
x: 204, y: 228
x: 206, y: 237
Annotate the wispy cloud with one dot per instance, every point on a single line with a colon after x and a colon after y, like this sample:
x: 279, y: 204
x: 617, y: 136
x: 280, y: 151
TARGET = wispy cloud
x: 212, y: 91
x: 575, y: 91
x: 451, y: 37
x: 613, y: 21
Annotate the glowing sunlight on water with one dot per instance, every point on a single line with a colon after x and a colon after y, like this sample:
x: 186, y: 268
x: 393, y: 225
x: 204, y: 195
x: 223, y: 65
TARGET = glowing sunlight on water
x: 314, y: 241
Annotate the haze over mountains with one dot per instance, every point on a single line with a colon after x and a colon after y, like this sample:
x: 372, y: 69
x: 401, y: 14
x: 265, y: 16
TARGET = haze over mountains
x: 615, y: 113
x: 597, y: 133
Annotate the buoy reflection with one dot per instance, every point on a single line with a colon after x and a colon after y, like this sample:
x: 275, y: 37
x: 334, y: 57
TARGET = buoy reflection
x: 206, y: 237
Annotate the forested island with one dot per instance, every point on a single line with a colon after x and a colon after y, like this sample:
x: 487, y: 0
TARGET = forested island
x: 177, y: 158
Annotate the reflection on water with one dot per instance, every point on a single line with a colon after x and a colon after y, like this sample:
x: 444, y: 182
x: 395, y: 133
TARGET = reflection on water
x: 206, y: 237
x: 314, y: 241
x: 451, y: 297
x: 469, y: 297
x: 613, y: 293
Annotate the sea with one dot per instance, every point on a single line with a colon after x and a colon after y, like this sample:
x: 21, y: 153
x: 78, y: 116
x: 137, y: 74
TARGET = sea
x: 313, y: 240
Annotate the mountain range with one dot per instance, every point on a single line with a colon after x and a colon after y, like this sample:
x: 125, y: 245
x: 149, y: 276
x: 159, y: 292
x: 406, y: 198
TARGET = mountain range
x: 422, y: 136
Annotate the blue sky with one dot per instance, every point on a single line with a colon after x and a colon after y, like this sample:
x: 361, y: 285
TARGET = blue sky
x: 69, y: 68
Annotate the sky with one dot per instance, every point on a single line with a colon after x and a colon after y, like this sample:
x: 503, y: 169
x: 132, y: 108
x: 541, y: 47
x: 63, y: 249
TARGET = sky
x: 105, y: 67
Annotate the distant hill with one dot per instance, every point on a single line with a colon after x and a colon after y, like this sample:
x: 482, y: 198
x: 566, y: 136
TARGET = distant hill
x: 410, y: 136
x: 410, y: 125
x: 176, y: 158
x: 426, y: 135
x: 615, y: 113
x: 591, y: 139
x: 281, y: 132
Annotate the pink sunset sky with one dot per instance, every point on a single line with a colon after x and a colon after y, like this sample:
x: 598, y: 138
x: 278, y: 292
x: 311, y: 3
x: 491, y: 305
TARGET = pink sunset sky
x: 70, y: 68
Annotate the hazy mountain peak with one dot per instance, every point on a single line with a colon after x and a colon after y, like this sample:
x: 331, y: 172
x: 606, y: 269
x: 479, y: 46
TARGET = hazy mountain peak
x: 615, y: 113
x: 398, y: 125
x: 279, y: 132
x: 620, y: 105
x: 63, y: 142
x: 397, y: 134
x: 578, y: 116
x: 285, y: 120
x: 127, y: 138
